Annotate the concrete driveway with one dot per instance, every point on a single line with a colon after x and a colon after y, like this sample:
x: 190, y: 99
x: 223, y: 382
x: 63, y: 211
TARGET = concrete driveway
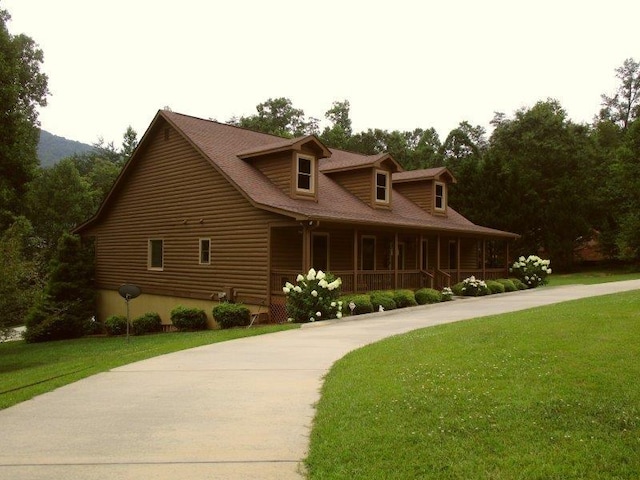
x: 236, y: 410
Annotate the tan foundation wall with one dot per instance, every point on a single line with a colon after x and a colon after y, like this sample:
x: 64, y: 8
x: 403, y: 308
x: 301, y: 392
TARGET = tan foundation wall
x: 111, y: 303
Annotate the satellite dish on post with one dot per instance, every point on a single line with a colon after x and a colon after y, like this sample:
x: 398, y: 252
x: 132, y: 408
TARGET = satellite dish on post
x: 128, y: 291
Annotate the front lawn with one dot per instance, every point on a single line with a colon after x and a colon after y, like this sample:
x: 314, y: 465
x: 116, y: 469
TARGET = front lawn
x: 27, y: 370
x: 548, y: 393
x: 591, y: 277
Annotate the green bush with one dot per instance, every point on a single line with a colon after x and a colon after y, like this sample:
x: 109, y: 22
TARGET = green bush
x: 446, y: 294
x: 518, y: 283
x: 457, y: 289
x: 382, y: 299
x: 425, y: 296
x: 230, y: 315
x: 509, y: 286
x: 474, y: 287
x: 116, y: 325
x: 495, y: 287
x: 150, y: 322
x: 188, y: 319
x: 361, y: 301
x: 47, y: 323
x: 532, y: 271
x: 404, y: 298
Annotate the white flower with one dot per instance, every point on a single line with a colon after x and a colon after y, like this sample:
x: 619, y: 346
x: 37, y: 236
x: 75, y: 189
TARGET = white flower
x: 340, y: 303
x: 286, y: 290
x: 311, y: 275
x: 549, y: 271
x: 335, y: 284
x: 311, y: 319
x: 320, y: 275
x: 339, y: 315
x: 323, y: 283
x: 314, y: 293
x: 381, y: 308
x: 289, y: 319
x: 318, y: 314
x: 333, y: 304
x: 297, y: 289
x: 299, y: 278
x: 288, y: 285
x: 522, y: 259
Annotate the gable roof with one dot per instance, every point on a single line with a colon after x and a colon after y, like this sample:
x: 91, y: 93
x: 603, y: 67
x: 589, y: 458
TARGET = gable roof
x: 424, y: 174
x: 223, y: 146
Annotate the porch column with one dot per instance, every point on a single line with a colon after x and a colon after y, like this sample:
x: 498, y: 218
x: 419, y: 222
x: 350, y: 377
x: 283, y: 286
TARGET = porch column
x: 355, y: 260
x: 306, y: 249
x: 507, y: 256
x: 395, y: 262
x: 458, y: 241
x: 484, y: 258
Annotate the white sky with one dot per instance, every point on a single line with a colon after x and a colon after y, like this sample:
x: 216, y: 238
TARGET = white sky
x: 401, y: 64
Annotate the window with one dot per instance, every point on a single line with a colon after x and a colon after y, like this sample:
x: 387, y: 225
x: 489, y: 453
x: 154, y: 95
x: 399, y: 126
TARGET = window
x: 382, y: 186
x: 156, y: 254
x: 305, y: 178
x: 205, y: 251
x: 440, y: 196
x: 368, y: 253
x: 320, y: 251
x: 401, y: 254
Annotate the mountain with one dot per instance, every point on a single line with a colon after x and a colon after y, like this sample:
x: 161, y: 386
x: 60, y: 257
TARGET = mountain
x: 53, y: 148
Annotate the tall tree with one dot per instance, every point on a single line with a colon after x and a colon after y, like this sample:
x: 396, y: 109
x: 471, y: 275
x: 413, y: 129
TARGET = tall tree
x: 624, y: 105
x: 277, y: 116
x: 338, y: 135
x: 22, y: 89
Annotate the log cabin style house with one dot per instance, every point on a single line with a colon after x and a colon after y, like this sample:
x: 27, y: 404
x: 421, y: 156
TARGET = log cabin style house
x: 206, y: 212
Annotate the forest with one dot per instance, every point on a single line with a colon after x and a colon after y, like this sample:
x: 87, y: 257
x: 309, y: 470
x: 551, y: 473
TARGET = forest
x: 539, y: 174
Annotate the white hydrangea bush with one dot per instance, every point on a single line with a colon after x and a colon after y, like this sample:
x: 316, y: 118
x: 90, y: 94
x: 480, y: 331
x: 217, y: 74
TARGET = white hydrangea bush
x: 314, y: 297
x: 532, y: 270
x: 474, y: 287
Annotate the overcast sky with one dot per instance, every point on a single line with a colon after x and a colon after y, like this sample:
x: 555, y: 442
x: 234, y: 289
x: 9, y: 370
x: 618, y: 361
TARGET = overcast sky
x: 401, y: 64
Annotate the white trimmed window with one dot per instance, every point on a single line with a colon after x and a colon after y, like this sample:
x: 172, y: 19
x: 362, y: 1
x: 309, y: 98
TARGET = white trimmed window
x: 305, y: 174
x: 440, y: 197
x: 205, y: 251
x: 382, y: 186
x: 156, y: 254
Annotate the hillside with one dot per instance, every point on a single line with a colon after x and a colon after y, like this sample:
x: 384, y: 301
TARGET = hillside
x: 53, y: 148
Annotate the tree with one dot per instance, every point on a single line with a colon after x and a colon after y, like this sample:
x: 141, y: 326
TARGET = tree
x: 339, y: 133
x: 624, y: 106
x: 22, y: 89
x: 278, y: 117
x: 129, y: 144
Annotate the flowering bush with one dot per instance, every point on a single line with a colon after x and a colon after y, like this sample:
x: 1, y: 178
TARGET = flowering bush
x: 472, y: 287
x: 314, y: 297
x: 447, y: 294
x: 532, y: 271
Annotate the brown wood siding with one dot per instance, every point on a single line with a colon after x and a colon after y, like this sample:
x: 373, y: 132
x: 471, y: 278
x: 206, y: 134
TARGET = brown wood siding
x: 174, y: 194
x: 357, y: 182
x: 420, y: 193
x: 277, y: 168
x: 286, y: 249
x: 340, y: 250
x: 469, y: 254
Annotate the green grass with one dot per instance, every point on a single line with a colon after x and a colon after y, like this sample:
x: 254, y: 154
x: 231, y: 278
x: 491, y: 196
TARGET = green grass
x: 548, y: 393
x: 27, y: 370
x: 590, y: 277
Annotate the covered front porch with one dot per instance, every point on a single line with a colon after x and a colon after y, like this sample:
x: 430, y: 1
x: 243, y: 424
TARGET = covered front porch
x: 369, y: 259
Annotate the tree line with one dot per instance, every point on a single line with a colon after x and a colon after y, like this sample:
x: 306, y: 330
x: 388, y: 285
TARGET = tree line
x: 537, y: 174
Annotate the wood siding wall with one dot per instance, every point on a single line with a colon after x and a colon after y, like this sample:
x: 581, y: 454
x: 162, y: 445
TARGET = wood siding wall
x: 277, y: 168
x: 174, y: 194
x: 357, y: 182
x: 420, y: 193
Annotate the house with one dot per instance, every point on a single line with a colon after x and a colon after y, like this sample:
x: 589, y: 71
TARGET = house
x: 205, y: 212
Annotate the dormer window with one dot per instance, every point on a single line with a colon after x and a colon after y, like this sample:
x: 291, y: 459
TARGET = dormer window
x: 382, y: 186
x: 440, y: 197
x: 305, y: 174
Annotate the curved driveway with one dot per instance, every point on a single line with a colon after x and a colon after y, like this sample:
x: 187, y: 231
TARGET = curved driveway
x: 236, y: 410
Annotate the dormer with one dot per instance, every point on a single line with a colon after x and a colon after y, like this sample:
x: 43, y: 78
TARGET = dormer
x: 369, y: 178
x: 426, y: 188
x: 290, y: 164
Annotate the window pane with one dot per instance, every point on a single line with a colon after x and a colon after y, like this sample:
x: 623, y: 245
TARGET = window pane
x: 156, y: 253
x: 439, y: 196
x: 304, y: 165
x: 381, y: 180
x: 381, y: 193
x: 304, y: 181
x: 205, y: 247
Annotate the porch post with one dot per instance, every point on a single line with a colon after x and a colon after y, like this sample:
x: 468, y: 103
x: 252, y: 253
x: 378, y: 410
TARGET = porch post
x: 507, y: 257
x: 484, y: 258
x: 395, y: 262
x: 458, y: 260
x: 438, y: 262
x: 355, y: 260
x: 306, y: 249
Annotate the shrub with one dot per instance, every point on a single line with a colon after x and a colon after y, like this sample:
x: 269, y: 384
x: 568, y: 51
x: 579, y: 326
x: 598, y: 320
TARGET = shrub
x: 425, y: 296
x: 150, y: 322
x: 518, y: 283
x: 473, y: 287
x: 494, y: 286
x: 382, y: 299
x: 447, y: 294
x: 230, y: 315
x: 404, y: 298
x: 457, y: 289
x: 116, y: 325
x: 532, y: 271
x: 509, y: 286
x: 314, y: 297
x: 188, y: 319
x: 362, y: 303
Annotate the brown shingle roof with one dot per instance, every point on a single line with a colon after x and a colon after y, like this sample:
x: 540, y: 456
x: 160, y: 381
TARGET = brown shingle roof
x: 221, y: 144
x: 424, y: 174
